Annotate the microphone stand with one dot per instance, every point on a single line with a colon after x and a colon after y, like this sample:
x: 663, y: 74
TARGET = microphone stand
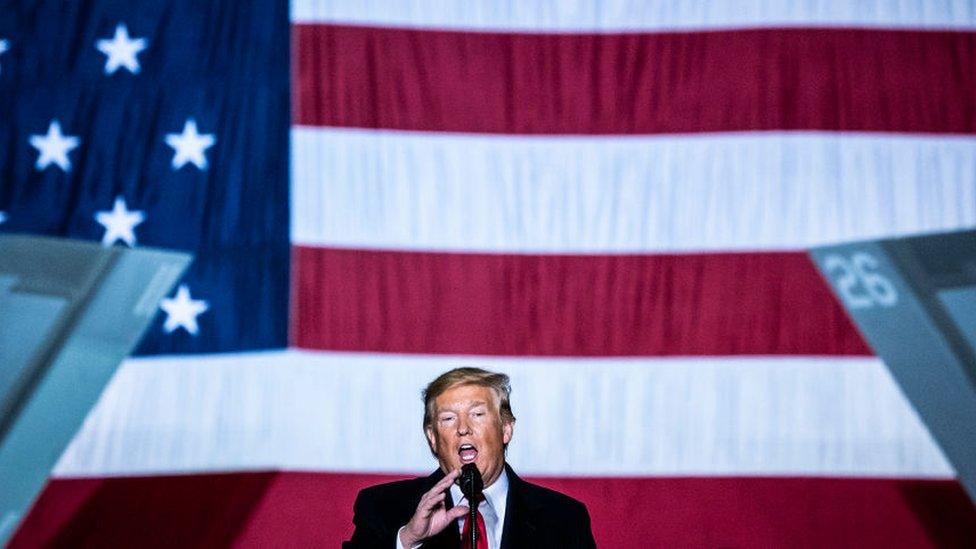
x: 473, y: 517
x: 472, y: 485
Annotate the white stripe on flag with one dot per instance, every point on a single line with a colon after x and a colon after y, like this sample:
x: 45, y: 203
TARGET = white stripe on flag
x: 721, y: 192
x: 637, y: 15
x: 593, y: 417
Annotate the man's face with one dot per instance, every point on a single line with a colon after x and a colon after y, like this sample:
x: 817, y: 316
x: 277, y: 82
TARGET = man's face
x: 468, y: 428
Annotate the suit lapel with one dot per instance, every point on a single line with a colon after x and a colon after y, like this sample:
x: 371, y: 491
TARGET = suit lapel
x: 520, y: 524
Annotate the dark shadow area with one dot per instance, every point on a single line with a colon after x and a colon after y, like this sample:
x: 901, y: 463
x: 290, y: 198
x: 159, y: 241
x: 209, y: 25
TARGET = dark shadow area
x: 165, y: 511
x: 944, y: 510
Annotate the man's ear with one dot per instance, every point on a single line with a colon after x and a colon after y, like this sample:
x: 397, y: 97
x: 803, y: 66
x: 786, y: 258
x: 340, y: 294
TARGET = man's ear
x: 431, y: 440
x: 507, y: 429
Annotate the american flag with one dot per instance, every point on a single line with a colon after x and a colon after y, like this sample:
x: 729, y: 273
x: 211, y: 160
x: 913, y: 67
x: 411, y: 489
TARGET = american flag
x: 607, y: 200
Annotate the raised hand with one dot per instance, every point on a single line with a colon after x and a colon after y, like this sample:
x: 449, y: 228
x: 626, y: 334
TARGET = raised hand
x: 431, y: 517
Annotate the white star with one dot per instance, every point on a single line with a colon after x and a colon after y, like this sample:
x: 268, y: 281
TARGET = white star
x: 121, y: 50
x: 4, y: 45
x: 189, y: 145
x: 119, y: 223
x: 3, y: 217
x: 182, y: 311
x: 54, y: 147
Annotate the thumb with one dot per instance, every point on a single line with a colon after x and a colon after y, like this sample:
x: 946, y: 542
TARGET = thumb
x: 457, y: 512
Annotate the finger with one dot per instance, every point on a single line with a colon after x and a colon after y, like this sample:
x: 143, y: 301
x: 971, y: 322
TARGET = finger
x: 444, y: 482
x: 432, y: 502
x: 433, y: 492
x: 449, y: 479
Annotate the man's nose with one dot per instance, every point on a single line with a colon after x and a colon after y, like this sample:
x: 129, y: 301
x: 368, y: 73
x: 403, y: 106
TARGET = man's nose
x: 462, y: 427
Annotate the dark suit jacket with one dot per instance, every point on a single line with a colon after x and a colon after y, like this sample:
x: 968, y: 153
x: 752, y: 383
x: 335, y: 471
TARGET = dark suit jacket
x: 534, y: 516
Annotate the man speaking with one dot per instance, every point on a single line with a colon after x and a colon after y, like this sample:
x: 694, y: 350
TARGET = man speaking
x: 468, y: 421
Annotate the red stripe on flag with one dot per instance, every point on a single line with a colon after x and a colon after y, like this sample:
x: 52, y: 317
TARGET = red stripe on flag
x: 637, y: 83
x: 315, y: 509
x: 566, y: 305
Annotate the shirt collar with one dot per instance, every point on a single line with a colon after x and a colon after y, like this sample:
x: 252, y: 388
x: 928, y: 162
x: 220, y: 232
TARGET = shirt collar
x: 496, y: 495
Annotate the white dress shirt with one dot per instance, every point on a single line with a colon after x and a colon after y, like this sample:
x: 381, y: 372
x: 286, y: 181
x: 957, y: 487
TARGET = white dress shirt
x: 492, y: 509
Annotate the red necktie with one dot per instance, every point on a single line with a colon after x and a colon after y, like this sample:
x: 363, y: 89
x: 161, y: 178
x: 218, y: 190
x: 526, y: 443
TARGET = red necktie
x: 482, y: 533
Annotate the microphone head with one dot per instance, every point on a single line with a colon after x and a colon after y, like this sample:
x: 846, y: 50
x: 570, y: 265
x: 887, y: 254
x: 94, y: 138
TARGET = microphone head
x: 471, y: 481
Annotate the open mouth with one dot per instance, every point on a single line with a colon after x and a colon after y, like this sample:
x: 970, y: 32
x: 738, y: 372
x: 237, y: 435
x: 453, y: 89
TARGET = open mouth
x: 468, y: 453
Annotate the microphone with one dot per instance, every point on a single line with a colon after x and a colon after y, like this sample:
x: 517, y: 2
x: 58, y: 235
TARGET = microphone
x: 471, y: 486
x: 471, y: 482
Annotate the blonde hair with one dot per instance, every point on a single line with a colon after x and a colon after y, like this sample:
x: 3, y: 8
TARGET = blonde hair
x: 497, y: 382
